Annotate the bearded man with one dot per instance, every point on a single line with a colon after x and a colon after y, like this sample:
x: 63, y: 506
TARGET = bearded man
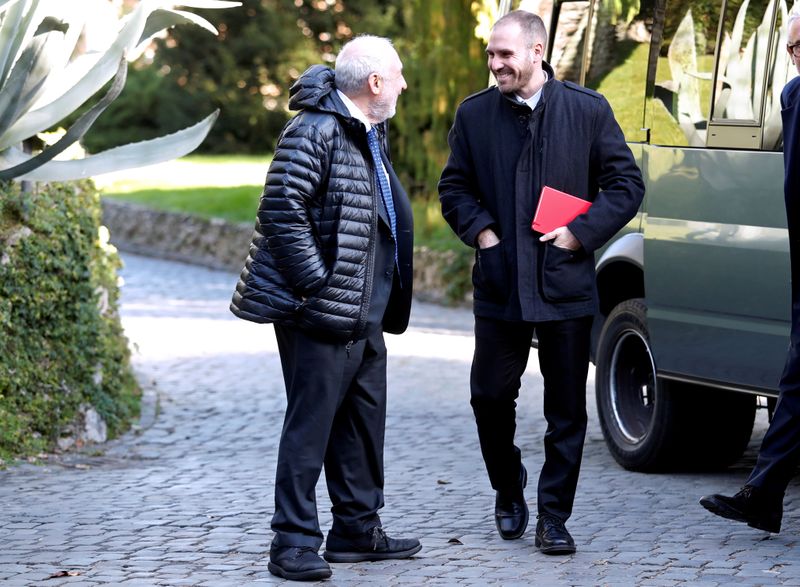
x: 330, y: 265
x: 507, y: 143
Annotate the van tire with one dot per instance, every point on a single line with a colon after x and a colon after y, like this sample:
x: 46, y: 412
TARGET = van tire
x: 650, y: 424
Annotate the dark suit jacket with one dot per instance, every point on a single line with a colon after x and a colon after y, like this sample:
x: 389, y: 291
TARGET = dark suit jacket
x: 790, y: 103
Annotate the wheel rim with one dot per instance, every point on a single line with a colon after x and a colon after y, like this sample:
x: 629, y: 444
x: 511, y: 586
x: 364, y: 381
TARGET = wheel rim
x: 632, y: 384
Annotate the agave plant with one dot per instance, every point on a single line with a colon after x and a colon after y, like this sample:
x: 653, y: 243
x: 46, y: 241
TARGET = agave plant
x: 43, y: 79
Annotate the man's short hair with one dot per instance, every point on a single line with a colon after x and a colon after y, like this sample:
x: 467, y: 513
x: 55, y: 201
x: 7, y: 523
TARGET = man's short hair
x: 530, y: 24
x: 360, y: 57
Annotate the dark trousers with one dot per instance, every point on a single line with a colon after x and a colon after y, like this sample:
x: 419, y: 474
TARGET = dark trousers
x: 780, y: 449
x: 335, y: 416
x: 501, y: 355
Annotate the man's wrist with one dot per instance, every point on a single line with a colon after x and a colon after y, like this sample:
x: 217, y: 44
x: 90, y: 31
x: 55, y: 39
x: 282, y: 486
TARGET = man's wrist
x: 487, y: 238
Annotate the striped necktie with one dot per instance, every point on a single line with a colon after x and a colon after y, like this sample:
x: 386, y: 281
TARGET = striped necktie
x: 383, y: 183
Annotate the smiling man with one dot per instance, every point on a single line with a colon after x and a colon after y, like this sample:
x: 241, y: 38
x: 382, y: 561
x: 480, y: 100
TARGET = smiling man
x: 507, y: 143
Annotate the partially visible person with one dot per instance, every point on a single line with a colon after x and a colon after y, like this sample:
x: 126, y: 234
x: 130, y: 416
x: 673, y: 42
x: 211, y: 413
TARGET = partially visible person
x: 507, y: 142
x: 759, y: 503
x: 330, y: 265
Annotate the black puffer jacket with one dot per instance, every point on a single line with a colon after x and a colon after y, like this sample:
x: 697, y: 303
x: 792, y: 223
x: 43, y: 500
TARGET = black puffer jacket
x: 311, y: 258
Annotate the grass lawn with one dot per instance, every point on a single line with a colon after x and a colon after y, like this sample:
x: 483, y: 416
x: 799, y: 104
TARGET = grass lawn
x: 233, y: 203
x: 213, y: 186
x: 228, y: 187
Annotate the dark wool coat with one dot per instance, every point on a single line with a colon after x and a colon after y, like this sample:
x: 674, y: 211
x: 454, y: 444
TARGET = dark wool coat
x: 502, y: 154
x: 790, y: 113
x: 312, y: 257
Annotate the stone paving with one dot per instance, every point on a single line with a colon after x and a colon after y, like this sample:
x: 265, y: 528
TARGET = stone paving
x: 186, y: 498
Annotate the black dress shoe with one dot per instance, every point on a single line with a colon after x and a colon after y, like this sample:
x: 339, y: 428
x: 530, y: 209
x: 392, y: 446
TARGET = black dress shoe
x: 301, y: 563
x: 552, y: 536
x: 750, y: 505
x: 511, y: 511
x: 374, y: 545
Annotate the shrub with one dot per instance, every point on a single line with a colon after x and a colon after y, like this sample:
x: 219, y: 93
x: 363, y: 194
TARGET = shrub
x: 61, y: 342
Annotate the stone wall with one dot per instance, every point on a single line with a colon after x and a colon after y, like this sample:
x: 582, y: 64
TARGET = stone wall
x: 212, y: 243
x: 220, y: 244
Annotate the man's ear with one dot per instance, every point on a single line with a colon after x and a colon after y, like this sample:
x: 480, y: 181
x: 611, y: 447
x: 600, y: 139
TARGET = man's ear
x: 375, y: 83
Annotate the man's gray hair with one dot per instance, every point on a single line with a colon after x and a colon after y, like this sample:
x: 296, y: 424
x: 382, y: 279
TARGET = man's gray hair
x: 531, y: 25
x: 360, y: 57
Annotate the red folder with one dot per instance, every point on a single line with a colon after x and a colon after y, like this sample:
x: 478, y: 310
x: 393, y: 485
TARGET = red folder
x: 556, y: 209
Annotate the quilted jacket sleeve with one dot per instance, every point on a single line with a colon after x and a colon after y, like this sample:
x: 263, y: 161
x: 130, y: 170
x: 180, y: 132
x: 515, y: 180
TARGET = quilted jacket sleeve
x: 293, y: 186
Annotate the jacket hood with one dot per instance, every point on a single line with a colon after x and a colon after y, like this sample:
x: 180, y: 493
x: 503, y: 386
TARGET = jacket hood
x: 315, y: 90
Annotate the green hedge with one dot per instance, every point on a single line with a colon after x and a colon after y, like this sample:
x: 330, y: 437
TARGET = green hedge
x: 61, y: 343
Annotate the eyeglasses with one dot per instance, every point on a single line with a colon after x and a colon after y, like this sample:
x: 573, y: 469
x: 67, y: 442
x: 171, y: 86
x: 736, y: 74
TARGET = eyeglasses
x: 795, y: 49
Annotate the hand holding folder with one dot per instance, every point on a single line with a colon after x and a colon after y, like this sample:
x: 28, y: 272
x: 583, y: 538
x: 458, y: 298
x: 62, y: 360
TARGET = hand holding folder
x: 556, y: 209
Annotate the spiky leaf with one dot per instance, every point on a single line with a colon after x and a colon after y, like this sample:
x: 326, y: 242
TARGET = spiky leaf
x: 127, y: 156
x: 76, y: 131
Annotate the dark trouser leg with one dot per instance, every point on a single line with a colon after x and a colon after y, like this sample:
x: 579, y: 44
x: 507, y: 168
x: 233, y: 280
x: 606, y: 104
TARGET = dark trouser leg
x: 564, y: 362
x: 354, y: 460
x: 780, y: 449
x: 501, y: 354
x: 316, y: 375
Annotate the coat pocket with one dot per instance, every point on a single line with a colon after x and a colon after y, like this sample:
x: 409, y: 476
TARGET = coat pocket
x: 566, y: 276
x: 490, y: 276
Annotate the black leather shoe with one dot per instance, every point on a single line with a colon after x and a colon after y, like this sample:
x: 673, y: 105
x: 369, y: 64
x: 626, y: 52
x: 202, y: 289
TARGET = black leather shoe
x: 552, y: 536
x: 750, y: 505
x: 297, y: 563
x: 374, y: 545
x: 511, y: 511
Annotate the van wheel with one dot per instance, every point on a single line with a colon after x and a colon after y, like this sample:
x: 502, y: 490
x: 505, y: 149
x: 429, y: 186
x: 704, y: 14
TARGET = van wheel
x: 653, y: 425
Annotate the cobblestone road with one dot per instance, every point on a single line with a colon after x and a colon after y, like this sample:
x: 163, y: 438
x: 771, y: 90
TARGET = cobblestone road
x: 187, y: 499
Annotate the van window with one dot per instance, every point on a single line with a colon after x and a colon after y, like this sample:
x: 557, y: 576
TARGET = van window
x: 741, y: 68
x: 679, y: 107
x: 571, y: 32
x: 748, y: 40
x: 603, y: 45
